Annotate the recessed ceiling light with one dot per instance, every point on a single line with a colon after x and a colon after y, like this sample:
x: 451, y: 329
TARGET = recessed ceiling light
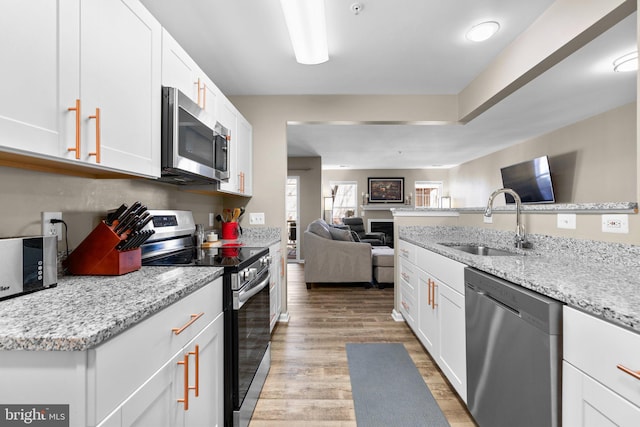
x: 628, y: 62
x: 483, y: 31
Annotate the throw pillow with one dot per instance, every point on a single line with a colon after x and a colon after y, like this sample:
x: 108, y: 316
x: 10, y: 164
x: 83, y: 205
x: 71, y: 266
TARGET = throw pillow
x: 320, y: 228
x: 338, y: 234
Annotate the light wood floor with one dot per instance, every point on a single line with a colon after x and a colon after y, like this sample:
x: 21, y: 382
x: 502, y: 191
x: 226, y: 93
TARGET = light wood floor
x: 308, y: 383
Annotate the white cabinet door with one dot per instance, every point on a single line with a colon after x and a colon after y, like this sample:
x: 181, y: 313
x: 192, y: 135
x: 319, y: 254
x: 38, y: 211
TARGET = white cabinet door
x: 228, y: 117
x: 588, y: 403
x: 207, y: 409
x: 244, y: 160
x: 275, y: 283
x: 160, y: 401
x: 156, y: 402
x: 40, y: 74
x: 120, y: 83
x: 427, y: 313
x: 179, y: 70
x: 452, y: 337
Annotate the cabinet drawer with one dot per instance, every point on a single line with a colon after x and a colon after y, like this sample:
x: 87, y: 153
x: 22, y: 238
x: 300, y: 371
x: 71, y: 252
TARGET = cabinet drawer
x: 597, y: 347
x: 444, y: 269
x: 408, y: 305
x: 409, y: 273
x: 407, y: 251
x: 146, y: 347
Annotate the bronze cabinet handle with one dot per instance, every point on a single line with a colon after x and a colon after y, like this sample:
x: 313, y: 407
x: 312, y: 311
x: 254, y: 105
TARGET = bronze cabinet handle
x: 97, y: 152
x: 194, y: 317
x: 634, y: 374
x: 77, y: 147
x: 185, y: 398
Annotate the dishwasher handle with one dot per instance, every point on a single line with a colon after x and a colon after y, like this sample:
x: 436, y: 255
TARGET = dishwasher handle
x: 500, y: 303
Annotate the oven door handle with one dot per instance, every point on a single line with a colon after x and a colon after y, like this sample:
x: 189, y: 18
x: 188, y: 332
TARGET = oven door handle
x: 244, y: 296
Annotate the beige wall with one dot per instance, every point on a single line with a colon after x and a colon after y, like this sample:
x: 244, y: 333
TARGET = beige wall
x: 591, y: 161
x: 84, y: 201
x: 309, y: 171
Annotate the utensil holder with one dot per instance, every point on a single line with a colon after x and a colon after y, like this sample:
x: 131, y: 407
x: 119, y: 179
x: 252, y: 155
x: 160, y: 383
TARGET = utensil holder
x: 230, y: 230
x: 97, y: 255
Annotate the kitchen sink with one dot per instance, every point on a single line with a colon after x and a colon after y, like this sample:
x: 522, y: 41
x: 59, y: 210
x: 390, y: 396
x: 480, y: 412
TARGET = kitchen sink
x: 477, y: 249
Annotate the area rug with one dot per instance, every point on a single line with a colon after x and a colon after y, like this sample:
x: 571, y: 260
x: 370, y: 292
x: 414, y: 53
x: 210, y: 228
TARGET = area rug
x: 388, y: 389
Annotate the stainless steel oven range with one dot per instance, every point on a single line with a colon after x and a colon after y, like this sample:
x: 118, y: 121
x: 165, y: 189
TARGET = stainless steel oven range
x: 246, y: 302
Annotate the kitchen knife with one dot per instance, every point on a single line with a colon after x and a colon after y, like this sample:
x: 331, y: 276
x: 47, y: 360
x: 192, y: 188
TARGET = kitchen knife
x: 145, y: 220
x: 115, y: 214
x: 134, y: 207
x: 126, y: 223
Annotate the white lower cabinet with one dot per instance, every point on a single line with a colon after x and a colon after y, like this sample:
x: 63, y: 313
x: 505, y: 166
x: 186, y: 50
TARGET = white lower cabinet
x: 408, y: 292
x: 156, y: 403
x: 432, y: 302
x: 596, y: 391
x: 134, y: 378
x: 275, y: 283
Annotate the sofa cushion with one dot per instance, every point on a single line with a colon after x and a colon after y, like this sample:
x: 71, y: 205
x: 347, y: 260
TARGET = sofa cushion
x: 339, y: 234
x: 320, y: 228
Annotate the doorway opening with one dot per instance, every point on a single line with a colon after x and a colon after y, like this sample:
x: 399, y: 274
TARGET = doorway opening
x: 293, y: 218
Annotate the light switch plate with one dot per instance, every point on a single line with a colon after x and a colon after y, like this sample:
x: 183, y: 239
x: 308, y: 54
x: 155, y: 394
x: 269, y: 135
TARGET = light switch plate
x: 256, y: 218
x: 615, y: 223
x: 567, y: 221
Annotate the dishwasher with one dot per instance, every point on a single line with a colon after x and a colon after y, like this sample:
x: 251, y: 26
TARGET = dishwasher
x: 514, y: 353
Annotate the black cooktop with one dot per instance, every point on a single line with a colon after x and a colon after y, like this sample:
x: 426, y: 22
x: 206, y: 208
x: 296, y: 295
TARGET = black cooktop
x: 231, y: 257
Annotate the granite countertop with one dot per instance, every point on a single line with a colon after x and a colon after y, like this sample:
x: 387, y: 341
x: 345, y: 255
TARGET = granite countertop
x: 600, y: 278
x: 83, y: 311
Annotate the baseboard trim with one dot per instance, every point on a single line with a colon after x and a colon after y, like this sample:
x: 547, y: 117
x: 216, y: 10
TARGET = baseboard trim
x: 397, y: 316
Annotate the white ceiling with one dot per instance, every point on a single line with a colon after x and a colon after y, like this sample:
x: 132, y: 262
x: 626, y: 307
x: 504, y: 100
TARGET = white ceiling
x: 396, y: 47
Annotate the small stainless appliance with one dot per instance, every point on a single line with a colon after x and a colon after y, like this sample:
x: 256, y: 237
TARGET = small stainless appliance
x: 194, y: 147
x: 514, y: 353
x: 247, y: 338
x: 27, y: 264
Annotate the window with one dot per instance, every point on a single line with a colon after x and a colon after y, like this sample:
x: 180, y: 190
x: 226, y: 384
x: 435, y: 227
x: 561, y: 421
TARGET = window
x: 428, y: 194
x: 345, y: 199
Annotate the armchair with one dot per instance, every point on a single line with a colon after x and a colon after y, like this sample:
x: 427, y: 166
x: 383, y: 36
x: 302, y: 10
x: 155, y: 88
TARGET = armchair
x: 356, y: 224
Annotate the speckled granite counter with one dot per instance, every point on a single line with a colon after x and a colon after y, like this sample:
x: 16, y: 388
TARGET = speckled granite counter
x: 260, y: 236
x: 600, y: 278
x: 83, y: 311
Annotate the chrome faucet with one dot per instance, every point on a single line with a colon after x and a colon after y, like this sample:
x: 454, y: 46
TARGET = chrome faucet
x: 520, y: 239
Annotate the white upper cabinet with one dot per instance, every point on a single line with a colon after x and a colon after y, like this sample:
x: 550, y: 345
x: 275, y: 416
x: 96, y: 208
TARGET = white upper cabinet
x: 179, y: 70
x: 120, y: 82
x: 82, y: 83
x: 40, y: 73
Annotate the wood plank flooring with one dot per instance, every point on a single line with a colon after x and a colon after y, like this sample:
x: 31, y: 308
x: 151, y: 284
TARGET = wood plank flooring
x: 308, y: 383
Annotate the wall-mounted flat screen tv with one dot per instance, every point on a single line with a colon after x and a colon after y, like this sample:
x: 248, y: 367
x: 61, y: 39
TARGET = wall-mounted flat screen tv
x: 531, y: 180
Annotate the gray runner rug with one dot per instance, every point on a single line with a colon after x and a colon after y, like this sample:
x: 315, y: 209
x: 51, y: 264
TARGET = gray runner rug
x: 388, y: 389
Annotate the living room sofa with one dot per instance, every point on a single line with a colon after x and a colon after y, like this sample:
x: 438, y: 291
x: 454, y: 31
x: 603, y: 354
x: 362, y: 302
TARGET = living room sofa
x: 331, y: 256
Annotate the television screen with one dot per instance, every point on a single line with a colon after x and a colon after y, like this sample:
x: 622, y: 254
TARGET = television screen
x: 531, y: 180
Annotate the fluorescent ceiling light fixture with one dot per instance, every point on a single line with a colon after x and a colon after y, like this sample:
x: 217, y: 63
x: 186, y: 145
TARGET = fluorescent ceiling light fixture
x: 628, y: 62
x: 307, y: 30
x: 483, y: 31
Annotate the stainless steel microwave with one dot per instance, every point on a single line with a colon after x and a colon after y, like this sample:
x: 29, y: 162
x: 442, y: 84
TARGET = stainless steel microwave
x: 195, y: 149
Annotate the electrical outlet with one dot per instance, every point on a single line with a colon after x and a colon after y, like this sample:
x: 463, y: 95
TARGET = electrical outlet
x: 567, y: 221
x: 256, y: 218
x: 487, y: 219
x: 211, y: 219
x: 615, y: 223
x: 49, y: 229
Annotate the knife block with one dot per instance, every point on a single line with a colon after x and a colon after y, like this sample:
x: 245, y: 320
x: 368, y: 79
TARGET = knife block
x: 97, y: 255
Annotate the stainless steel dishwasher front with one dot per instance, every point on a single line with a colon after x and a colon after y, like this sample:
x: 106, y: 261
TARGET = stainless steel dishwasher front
x: 514, y: 353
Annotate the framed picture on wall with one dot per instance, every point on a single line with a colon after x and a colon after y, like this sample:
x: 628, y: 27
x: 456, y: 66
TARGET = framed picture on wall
x: 386, y: 190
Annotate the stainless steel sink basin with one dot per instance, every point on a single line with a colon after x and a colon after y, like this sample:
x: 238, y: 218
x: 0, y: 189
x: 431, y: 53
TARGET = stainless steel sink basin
x: 479, y: 249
